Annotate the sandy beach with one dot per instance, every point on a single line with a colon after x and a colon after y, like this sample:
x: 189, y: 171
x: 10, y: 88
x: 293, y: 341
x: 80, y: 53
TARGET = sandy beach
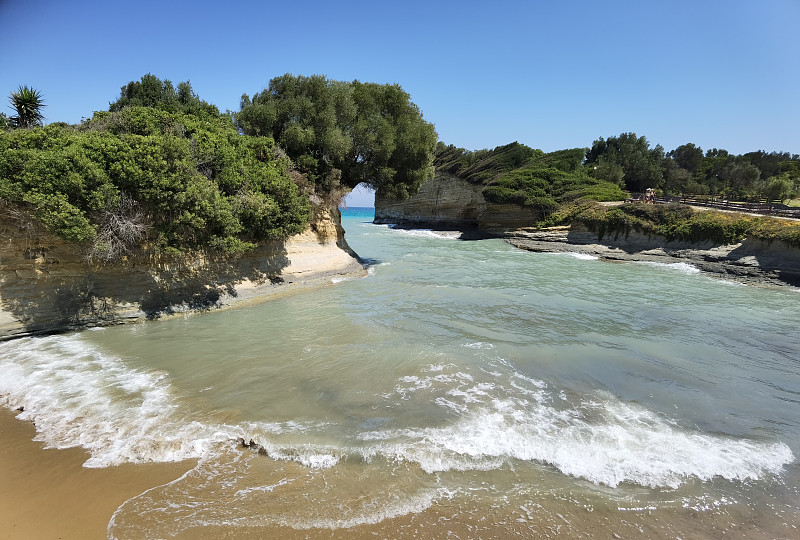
x: 48, y: 494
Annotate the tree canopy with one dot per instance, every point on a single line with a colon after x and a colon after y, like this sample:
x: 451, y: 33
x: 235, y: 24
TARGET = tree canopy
x: 751, y: 176
x: 687, y: 156
x: 640, y: 165
x: 150, y: 91
x: 345, y: 133
x: 629, y: 160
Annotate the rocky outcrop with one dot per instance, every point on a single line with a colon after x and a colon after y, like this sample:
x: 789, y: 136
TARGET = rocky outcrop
x: 46, y: 284
x: 752, y: 261
x: 450, y: 203
x: 447, y: 202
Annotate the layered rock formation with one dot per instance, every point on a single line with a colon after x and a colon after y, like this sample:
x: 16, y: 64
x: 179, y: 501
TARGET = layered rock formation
x: 752, y: 261
x: 448, y: 202
x: 46, y: 284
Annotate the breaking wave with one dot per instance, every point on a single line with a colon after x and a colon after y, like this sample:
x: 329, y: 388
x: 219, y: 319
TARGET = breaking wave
x: 79, y: 396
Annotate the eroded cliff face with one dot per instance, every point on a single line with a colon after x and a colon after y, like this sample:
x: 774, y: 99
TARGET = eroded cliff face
x: 751, y: 261
x: 448, y: 202
x: 46, y: 284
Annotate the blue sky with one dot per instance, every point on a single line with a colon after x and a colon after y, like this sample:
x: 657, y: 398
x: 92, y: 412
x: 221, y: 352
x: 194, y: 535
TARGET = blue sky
x: 551, y: 75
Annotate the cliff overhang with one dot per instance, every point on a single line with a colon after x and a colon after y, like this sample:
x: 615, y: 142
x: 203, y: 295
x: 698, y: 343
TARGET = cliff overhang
x: 47, y: 285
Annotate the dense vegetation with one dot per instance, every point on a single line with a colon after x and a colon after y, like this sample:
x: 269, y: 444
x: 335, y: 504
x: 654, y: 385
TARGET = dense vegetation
x: 564, y: 186
x: 164, y: 168
x: 629, y: 161
x: 515, y: 173
x: 344, y: 134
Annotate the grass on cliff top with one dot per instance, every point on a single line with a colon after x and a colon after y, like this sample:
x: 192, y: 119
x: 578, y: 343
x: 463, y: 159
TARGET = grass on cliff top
x: 675, y: 222
x: 517, y: 174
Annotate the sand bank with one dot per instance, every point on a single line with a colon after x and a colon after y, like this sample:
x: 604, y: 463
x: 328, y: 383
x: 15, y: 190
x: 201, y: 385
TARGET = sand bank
x: 48, y: 494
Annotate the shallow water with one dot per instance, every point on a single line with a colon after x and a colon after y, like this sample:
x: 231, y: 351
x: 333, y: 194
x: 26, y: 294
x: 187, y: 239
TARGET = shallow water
x: 462, y: 388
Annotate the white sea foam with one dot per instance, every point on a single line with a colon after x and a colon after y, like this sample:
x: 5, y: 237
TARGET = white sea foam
x: 638, y: 448
x: 313, y: 456
x: 682, y: 267
x: 575, y: 255
x: 371, y: 514
x: 243, y: 493
x: 479, y: 345
x: 297, y: 502
x: 602, y: 440
x: 584, y: 256
x: 729, y: 283
x: 371, y: 268
x: 427, y: 233
x: 79, y: 396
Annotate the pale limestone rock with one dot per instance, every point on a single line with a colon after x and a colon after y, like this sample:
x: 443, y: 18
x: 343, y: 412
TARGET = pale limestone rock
x: 752, y: 261
x: 448, y: 202
x: 47, y: 285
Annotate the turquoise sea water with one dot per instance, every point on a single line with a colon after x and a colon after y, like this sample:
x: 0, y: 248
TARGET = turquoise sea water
x: 462, y: 389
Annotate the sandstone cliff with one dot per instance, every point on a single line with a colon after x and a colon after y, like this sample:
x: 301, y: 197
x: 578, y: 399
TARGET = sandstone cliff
x: 46, y: 285
x: 448, y: 202
x: 752, y: 261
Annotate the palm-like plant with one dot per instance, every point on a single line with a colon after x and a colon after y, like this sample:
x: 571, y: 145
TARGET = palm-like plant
x: 28, y: 104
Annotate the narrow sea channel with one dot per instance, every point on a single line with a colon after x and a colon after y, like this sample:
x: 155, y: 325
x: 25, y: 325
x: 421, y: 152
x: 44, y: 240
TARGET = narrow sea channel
x: 463, y: 389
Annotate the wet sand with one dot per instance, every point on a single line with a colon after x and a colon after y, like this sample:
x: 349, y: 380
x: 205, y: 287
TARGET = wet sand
x: 48, y: 494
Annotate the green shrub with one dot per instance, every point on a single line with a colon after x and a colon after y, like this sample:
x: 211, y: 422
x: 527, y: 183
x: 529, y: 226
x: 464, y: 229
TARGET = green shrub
x: 517, y: 174
x: 675, y: 222
x: 188, y: 176
x: 715, y: 226
x: 769, y: 229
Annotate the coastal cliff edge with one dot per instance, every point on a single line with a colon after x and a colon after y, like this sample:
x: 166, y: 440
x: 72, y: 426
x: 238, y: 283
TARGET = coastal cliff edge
x: 450, y: 203
x: 47, y: 285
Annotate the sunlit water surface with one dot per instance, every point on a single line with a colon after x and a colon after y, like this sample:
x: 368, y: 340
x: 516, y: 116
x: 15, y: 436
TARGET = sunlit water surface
x: 463, y: 388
